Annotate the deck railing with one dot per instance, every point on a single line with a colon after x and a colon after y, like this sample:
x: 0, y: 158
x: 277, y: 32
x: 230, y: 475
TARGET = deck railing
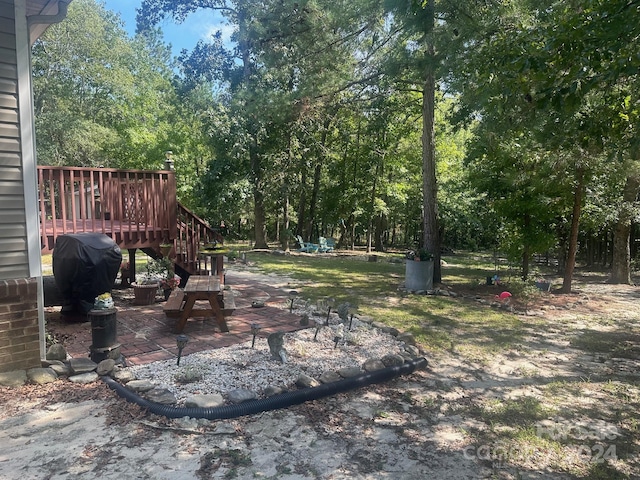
x: 193, y: 234
x: 137, y: 208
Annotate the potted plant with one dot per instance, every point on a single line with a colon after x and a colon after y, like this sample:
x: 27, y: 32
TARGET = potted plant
x: 422, y: 255
x: 419, y: 270
x: 147, y: 283
x: 125, y: 273
x: 168, y: 284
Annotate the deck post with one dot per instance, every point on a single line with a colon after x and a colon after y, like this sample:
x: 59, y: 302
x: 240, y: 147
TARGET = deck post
x: 132, y: 265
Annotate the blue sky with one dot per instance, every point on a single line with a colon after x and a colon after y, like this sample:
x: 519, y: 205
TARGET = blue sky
x: 185, y: 35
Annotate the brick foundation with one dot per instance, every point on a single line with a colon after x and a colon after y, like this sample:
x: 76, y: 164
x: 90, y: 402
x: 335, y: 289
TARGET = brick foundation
x: 19, y: 329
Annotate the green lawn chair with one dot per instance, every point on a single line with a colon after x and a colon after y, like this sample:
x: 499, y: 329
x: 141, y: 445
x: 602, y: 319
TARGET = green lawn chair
x: 326, y: 245
x: 306, y: 246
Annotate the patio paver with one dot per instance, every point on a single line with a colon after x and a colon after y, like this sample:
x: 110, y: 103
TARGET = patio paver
x: 146, y: 335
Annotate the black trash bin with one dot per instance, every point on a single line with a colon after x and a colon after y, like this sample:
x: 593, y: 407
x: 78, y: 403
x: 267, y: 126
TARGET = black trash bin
x: 85, y: 265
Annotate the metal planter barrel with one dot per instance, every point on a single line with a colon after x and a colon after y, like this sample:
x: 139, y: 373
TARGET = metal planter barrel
x: 419, y: 275
x: 104, y: 334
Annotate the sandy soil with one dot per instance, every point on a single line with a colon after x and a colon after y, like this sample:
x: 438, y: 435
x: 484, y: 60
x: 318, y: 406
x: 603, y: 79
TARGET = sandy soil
x: 425, y: 425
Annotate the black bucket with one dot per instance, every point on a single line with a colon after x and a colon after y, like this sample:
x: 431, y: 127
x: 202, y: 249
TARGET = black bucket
x: 104, y: 334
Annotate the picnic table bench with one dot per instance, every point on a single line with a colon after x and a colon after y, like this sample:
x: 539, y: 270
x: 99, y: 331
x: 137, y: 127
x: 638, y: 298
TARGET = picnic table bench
x: 182, y: 303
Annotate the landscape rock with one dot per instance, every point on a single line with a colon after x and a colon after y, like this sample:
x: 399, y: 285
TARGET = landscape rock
x: 204, y: 401
x: 56, y: 352
x: 372, y: 364
x: 276, y: 346
x: 272, y: 390
x: 241, y: 395
x: 88, y: 377
x: 407, y: 338
x: 392, y: 331
x: 349, y: 372
x: 123, y: 375
x: 140, y: 385
x: 392, y: 360
x: 305, y: 381
x: 15, y: 378
x: 61, y: 368
x: 105, y: 367
x: 412, y: 350
x: 330, y: 376
x: 386, y: 328
x: 161, y: 395
x: 82, y: 365
x: 407, y: 356
x: 41, y: 375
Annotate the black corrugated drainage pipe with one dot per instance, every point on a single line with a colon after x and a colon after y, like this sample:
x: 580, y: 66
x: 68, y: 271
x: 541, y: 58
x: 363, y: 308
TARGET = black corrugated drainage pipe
x: 283, y: 400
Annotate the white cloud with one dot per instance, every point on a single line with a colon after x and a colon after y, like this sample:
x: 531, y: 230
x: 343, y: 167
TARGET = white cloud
x: 225, y: 29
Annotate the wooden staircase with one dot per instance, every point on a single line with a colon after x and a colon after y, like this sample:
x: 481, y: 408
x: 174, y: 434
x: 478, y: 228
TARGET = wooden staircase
x: 192, y: 235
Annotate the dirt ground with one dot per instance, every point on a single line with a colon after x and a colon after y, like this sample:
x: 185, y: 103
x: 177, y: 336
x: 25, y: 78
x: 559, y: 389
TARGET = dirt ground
x: 561, y: 404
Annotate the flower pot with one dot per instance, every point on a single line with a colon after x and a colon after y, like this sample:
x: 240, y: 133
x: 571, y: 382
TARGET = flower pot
x: 167, y: 293
x: 419, y: 275
x: 144, y: 294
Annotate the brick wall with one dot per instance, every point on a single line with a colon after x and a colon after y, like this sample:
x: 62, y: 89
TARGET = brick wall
x: 19, y: 330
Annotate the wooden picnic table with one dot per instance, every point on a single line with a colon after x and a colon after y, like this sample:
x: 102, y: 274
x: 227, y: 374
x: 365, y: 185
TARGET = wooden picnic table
x: 202, y: 287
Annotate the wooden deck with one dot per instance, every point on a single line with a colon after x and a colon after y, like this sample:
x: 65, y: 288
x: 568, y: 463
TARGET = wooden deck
x: 126, y: 235
x: 138, y: 209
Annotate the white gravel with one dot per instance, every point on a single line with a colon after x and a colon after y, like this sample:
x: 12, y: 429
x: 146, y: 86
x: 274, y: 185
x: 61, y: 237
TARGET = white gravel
x: 240, y: 366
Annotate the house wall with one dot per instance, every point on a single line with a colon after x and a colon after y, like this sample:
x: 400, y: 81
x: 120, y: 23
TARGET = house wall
x: 21, y: 312
x: 13, y: 229
x: 19, y: 326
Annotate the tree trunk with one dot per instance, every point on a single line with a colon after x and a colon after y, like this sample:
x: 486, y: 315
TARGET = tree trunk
x: 526, y: 253
x: 621, y: 264
x: 284, y: 237
x: 431, y: 237
x: 372, y: 202
x: 302, y: 204
x: 317, y: 176
x: 573, y: 236
x: 381, y: 226
x: 260, y: 230
x: 314, y: 201
x: 525, y: 262
x: 347, y: 233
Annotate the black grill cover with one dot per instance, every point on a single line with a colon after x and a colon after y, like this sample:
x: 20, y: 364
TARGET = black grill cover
x: 84, y: 266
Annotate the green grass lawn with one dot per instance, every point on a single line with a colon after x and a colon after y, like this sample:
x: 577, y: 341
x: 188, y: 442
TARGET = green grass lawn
x: 437, y: 322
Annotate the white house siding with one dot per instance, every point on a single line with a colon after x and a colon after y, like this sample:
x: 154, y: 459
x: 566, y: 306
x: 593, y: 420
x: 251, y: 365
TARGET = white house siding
x: 21, y: 312
x: 13, y: 230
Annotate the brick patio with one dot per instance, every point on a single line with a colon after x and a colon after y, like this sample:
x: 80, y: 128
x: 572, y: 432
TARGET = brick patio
x: 147, y: 335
